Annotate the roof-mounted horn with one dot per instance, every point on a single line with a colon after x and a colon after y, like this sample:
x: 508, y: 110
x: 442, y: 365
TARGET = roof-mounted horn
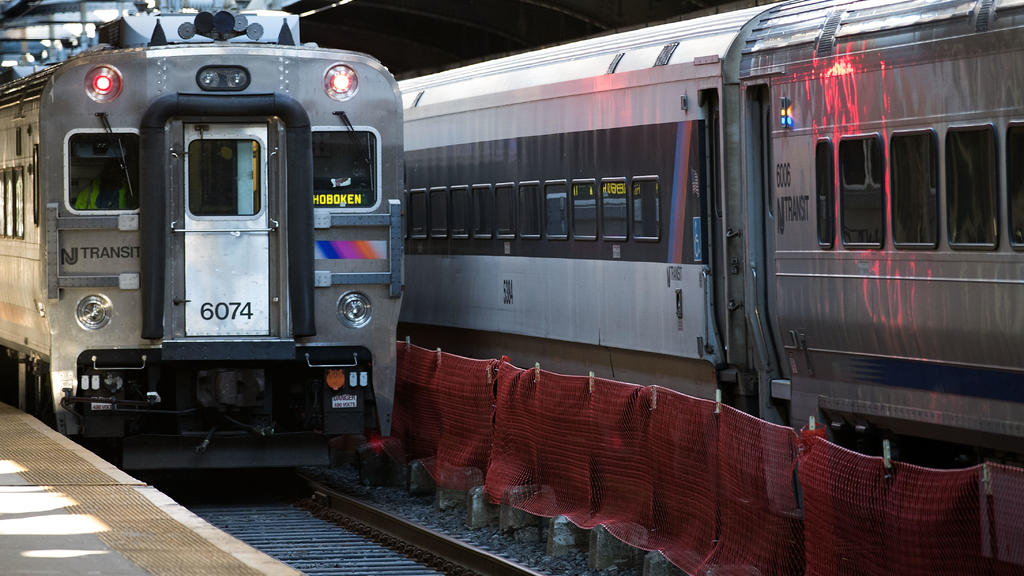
x: 223, y: 25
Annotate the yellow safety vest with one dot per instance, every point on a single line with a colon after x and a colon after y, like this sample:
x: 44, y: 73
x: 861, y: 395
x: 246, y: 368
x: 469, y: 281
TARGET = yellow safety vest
x: 89, y: 195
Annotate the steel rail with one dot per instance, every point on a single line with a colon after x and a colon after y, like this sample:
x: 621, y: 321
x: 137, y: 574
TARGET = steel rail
x: 464, y: 557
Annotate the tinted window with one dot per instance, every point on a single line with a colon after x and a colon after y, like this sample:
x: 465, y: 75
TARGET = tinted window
x: 504, y: 198
x: 1015, y: 182
x: 861, y: 171
x: 646, y: 208
x: 344, y: 167
x: 613, y: 208
x: 460, y: 211
x: 418, y: 213
x: 971, y: 186
x: 483, y: 211
x: 556, y: 223
x: 825, y: 186
x: 584, y: 209
x: 3, y: 203
x: 913, y: 187
x: 438, y: 202
x: 224, y: 177
x: 103, y: 171
x: 529, y: 210
x: 19, y: 204
x: 10, y: 224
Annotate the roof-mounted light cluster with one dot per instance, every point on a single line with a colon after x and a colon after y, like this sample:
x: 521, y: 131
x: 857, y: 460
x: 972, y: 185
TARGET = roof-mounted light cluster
x: 220, y: 26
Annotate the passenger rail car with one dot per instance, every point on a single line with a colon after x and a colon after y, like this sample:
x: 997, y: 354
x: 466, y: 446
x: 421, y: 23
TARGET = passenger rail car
x: 202, y: 253
x: 815, y: 207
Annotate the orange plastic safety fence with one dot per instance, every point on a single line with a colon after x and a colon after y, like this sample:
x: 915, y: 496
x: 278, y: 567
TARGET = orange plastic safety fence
x: 761, y: 530
x: 716, y: 493
x: 863, y: 518
x: 443, y: 415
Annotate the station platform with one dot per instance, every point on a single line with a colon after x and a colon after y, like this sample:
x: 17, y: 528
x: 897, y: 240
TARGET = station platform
x: 64, y: 510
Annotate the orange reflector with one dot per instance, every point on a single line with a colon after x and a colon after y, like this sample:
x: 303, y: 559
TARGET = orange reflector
x: 335, y: 379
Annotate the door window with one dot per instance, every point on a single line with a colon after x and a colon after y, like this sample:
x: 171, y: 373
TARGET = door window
x: 224, y: 177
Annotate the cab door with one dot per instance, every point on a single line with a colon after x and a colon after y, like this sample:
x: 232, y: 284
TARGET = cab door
x: 227, y: 230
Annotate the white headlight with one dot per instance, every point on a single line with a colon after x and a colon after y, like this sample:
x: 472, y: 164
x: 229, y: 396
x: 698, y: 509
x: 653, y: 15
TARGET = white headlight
x: 354, y: 309
x: 93, y: 312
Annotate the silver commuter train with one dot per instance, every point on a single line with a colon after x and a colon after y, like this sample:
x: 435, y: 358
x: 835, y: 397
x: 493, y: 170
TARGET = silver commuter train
x: 814, y: 207
x: 202, y: 251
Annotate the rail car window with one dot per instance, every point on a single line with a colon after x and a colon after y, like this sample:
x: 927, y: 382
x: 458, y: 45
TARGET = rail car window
x: 504, y: 197
x: 556, y: 215
x: 103, y: 171
x: 3, y: 203
x: 418, y: 213
x: 1015, y: 182
x: 861, y: 173
x: 914, y: 189
x: 460, y: 211
x: 584, y: 209
x: 224, y: 177
x: 613, y: 208
x: 971, y: 187
x: 438, y: 203
x: 646, y: 208
x: 9, y: 216
x: 344, y: 169
x: 825, y: 188
x: 19, y: 203
x: 530, y: 212
x: 483, y: 211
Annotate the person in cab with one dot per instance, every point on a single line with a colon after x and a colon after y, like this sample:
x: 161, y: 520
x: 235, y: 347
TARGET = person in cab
x: 107, y: 191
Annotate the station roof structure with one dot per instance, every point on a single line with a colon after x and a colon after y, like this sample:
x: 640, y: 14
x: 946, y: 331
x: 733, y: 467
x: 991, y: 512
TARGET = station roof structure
x: 414, y: 37
x: 411, y: 37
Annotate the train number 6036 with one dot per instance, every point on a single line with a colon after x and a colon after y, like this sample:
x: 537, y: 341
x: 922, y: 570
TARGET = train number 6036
x: 225, y: 310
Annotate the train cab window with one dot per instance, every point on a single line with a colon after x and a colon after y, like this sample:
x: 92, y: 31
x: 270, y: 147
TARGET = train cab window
x: 19, y: 202
x: 460, y: 211
x: 418, y: 213
x: 556, y: 210
x: 344, y: 169
x: 971, y: 188
x: 530, y: 212
x: 1015, y: 183
x: 438, y: 202
x: 584, y: 209
x: 914, y: 189
x: 505, y: 209
x: 613, y: 209
x: 646, y: 208
x: 224, y: 177
x: 825, y: 189
x: 103, y: 171
x: 861, y: 173
x: 483, y: 211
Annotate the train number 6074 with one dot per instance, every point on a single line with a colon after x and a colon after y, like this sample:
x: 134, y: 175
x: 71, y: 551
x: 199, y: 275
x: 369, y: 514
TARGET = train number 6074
x: 225, y: 310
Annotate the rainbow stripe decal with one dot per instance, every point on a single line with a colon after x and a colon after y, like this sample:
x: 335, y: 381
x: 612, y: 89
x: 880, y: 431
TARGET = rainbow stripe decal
x: 351, y: 249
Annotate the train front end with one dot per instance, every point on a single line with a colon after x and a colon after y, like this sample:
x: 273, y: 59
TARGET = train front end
x: 224, y: 249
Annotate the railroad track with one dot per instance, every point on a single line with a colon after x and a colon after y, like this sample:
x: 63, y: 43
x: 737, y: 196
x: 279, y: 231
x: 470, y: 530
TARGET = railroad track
x: 448, y: 555
x: 333, y: 534
x: 307, y: 543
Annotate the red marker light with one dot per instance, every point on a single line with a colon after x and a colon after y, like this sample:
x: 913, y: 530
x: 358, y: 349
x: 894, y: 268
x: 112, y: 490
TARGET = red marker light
x: 340, y: 82
x: 103, y: 83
